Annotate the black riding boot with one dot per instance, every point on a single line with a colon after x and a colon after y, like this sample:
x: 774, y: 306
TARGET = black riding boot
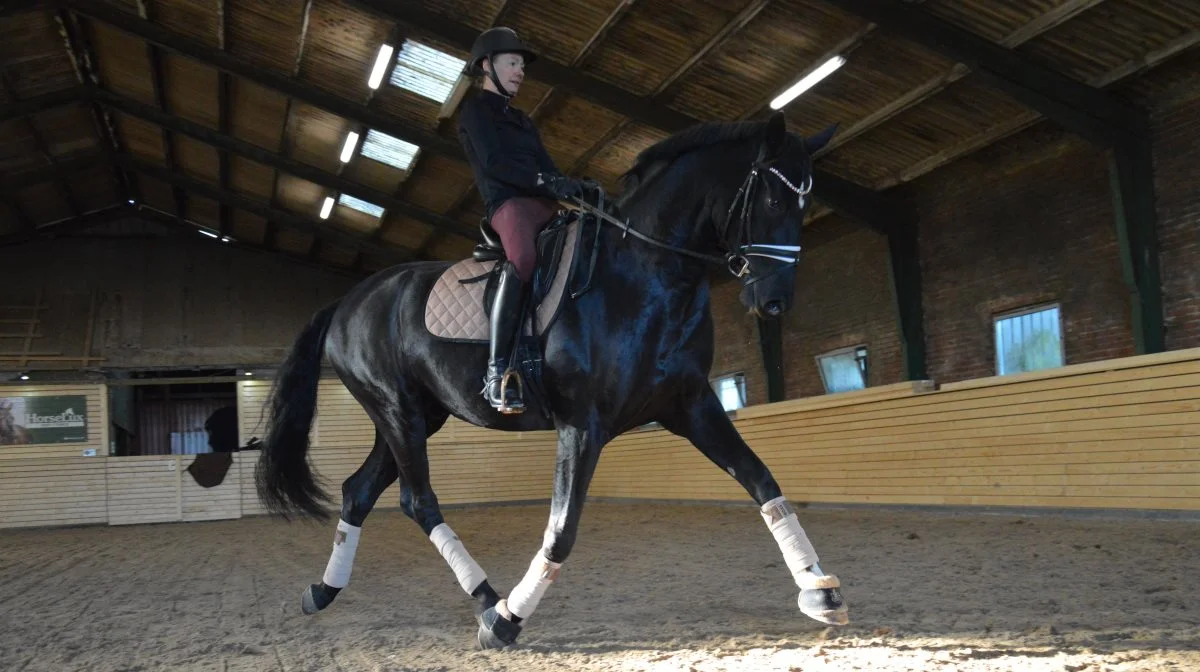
x: 506, y: 313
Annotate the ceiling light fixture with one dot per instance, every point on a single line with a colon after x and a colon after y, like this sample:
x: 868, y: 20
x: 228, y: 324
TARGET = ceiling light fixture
x: 382, y: 60
x: 348, y: 147
x: 807, y: 82
x: 327, y: 207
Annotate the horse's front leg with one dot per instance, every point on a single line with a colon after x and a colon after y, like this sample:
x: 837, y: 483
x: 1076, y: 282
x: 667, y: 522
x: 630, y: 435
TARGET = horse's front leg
x: 706, y: 425
x: 578, y: 451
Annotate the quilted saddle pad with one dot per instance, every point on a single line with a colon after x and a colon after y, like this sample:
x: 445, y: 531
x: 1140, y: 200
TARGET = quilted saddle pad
x: 454, y: 310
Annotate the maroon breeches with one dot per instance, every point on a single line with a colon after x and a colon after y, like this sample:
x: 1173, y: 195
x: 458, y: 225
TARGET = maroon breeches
x: 518, y: 221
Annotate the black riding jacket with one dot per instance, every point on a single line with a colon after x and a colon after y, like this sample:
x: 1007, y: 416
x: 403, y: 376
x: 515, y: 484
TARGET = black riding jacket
x: 504, y: 149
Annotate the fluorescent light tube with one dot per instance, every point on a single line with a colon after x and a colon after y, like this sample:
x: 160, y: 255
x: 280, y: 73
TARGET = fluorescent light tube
x: 808, y: 81
x: 327, y: 207
x: 348, y: 148
x: 210, y: 234
x: 381, y: 65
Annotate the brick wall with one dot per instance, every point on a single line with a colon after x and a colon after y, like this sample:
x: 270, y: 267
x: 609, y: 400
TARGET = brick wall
x: 736, y: 335
x: 1177, y: 185
x: 843, y: 299
x: 1025, y: 222
x: 993, y: 240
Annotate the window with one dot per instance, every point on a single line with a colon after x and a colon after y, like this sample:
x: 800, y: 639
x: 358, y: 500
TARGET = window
x: 386, y: 149
x: 731, y: 390
x: 360, y: 205
x: 426, y: 71
x: 1029, y: 340
x: 844, y: 370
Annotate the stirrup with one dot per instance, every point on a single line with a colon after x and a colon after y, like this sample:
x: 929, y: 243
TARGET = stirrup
x: 520, y: 404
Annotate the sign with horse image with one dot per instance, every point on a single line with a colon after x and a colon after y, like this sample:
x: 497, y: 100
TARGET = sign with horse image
x: 37, y: 420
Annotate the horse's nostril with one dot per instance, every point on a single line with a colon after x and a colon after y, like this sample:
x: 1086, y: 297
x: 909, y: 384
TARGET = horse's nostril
x: 774, y: 308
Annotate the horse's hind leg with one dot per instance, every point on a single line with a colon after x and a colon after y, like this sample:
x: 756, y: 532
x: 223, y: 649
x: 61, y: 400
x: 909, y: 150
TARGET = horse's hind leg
x: 706, y: 425
x: 407, y: 435
x: 359, y: 494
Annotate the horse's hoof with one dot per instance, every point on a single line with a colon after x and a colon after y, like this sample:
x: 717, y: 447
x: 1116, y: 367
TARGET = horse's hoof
x: 316, y: 597
x: 486, y: 603
x: 825, y: 605
x: 823, y: 601
x: 496, y: 631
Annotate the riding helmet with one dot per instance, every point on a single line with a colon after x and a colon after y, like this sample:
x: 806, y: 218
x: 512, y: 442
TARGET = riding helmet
x: 494, y: 41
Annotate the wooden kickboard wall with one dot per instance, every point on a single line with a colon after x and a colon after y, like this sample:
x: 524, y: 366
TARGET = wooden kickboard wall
x: 1121, y: 434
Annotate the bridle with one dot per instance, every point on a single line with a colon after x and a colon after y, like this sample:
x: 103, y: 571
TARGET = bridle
x: 788, y: 255
x: 736, y: 261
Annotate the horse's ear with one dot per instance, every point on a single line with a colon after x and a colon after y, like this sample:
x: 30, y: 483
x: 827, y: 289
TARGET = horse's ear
x: 774, y: 139
x: 813, y: 144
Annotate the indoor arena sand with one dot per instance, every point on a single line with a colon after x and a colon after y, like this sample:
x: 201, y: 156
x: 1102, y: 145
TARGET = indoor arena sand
x: 648, y: 587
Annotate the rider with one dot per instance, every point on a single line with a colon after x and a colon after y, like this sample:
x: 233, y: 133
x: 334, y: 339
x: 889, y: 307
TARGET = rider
x: 519, y: 183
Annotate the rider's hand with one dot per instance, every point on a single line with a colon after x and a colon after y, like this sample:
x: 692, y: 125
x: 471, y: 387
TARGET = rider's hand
x: 561, y: 186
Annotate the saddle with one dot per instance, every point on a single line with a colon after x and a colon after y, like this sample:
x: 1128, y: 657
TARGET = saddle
x: 459, y: 305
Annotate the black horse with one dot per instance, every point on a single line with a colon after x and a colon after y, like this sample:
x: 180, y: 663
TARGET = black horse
x: 635, y: 348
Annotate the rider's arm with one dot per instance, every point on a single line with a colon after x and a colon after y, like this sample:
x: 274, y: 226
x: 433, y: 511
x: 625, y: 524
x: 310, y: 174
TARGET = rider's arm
x: 493, y: 157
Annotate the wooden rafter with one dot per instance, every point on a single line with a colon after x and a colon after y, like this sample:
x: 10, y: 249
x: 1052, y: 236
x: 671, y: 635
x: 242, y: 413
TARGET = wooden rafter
x: 79, y: 49
x: 39, y: 142
x: 154, y: 56
x: 264, y: 210
x: 285, y: 132
x: 223, y: 116
x: 934, y: 85
x: 1093, y: 114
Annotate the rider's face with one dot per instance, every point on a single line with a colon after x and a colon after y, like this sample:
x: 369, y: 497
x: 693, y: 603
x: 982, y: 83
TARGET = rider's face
x: 510, y: 70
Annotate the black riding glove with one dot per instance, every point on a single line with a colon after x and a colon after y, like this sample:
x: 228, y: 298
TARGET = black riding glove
x: 560, y: 186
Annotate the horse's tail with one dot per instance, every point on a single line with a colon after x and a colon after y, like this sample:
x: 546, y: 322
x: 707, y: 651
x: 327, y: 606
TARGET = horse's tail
x: 283, y: 475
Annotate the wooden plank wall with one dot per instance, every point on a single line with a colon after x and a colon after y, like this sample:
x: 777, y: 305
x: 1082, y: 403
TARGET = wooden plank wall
x: 53, y: 491
x: 54, y: 484
x: 97, y: 420
x: 1117, y: 434
x: 467, y: 464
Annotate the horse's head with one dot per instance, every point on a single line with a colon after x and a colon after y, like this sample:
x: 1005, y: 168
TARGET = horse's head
x: 762, y: 228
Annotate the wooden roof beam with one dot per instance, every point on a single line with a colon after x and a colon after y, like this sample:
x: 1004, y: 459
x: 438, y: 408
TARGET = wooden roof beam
x: 223, y: 116
x: 263, y: 76
x: 1093, y: 114
x: 280, y: 163
x: 411, y: 13
x: 160, y: 98
x: 78, y: 44
x: 604, y: 94
x: 16, y: 109
x: 257, y: 207
x: 39, y: 141
x: 83, y: 221
x: 934, y: 85
x: 642, y: 109
x: 62, y: 166
x: 284, y: 133
x: 153, y: 216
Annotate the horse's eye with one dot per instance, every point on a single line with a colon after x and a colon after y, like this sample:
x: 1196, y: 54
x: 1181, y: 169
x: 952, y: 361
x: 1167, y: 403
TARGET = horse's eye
x: 773, y: 203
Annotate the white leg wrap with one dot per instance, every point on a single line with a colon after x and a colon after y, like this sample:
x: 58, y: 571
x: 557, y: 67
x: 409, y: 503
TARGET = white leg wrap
x: 341, y: 561
x: 525, y: 597
x: 798, y: 551
x: 466, y: 570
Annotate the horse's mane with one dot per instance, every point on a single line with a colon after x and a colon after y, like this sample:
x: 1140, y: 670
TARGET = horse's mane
x: 651, y: 161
